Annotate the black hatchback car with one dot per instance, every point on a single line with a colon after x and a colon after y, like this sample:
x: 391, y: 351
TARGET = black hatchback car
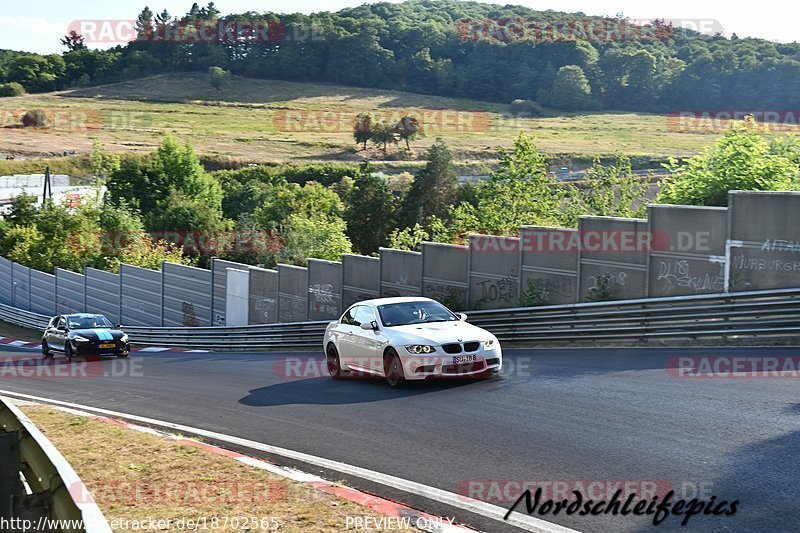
x: 84, y: 334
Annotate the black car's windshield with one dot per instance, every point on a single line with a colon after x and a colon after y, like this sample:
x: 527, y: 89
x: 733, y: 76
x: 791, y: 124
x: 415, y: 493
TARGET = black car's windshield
x: 89, y: 322
x: 422, y: 312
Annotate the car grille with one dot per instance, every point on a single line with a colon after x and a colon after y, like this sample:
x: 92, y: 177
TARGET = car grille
x: 471, y: 346
x: 451, y: 348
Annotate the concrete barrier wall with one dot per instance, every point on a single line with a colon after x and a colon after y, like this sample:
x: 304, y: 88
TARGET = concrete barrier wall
x: 187, y: 295
x: 21, y: 286
x: 549, y: 270
x: 679, y: 250
x: 613, y: 249
x: 292, y: 293
x: 219, y: 272
x: 324, y: 290
x: 43, y: 293
x: 5, y: 281
x: 687, y: 255
x: 141, y: 296
x: 70, y: 292
x: 102, y: 293
x: 361, y: 279
x: 445, y: 274
x: 401, y: 273
x: 263, y: 296
x: 763, y: 240
x: 494, y: 272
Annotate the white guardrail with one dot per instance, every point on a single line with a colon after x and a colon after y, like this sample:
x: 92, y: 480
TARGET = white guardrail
x: 52, y: 497
x: 729, y: 316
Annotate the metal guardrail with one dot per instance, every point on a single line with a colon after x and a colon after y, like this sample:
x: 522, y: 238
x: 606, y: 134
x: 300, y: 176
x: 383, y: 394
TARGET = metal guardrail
x: 772, y: 313
x: 57, y: 499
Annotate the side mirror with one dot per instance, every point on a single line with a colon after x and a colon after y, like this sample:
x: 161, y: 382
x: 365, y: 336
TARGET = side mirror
x: 61, y: 328
x: 118, y: 326
x: 369, y: 326
x: 462, y: 316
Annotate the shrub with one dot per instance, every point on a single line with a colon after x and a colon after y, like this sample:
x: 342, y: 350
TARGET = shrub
x: 11, y: 89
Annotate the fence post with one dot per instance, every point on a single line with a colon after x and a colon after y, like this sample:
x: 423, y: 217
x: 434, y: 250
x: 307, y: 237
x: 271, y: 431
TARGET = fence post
x: 10, y: 484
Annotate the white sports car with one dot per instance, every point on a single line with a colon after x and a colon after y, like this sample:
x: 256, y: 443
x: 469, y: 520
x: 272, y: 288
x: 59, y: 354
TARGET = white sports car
x: 409, y: 339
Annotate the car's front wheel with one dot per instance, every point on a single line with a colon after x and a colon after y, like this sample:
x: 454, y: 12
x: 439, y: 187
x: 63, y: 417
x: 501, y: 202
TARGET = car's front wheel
x: 69, y: 351
x: 46, y: 353
x: 393, y: 369
x: 333, y: 362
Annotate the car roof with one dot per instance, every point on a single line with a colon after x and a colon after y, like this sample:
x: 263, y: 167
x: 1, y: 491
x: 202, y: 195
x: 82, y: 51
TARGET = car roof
x: 395, y: 300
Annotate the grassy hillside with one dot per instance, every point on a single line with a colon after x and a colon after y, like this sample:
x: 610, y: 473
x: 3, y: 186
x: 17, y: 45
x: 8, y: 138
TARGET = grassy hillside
x: 244, y: 121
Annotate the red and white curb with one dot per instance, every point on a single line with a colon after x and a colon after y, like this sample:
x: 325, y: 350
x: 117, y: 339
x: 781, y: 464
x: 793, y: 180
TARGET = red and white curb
x: 419, y: 519
x: 8, y: 341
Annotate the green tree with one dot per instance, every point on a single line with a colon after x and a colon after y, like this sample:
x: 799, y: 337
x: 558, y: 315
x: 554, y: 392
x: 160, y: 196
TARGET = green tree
x: 409, y: 129
x: 518, y: 193
x: 382, y: 135
x: 362, y: 131
x: 371, y: 212
x: 571, y: 89
x: 741, y: 160
x: 173, y: 172
x: 434, y: 188
x: 410, y: 238
x: 319, y: 237
x: 614, y: 190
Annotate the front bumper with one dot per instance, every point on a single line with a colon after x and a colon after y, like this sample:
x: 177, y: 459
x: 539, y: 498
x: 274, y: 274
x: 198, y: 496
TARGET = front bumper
x: 93, y: 349
x: 438, y: 365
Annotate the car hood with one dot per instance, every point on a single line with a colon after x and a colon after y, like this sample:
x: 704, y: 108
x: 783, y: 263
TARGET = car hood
x: 98, y: 334
x: 438, y: 333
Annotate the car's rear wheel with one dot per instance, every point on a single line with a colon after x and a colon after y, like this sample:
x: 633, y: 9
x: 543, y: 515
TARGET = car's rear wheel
x: 46, y: 353
x: 333, y: 362
x: 393, y: 369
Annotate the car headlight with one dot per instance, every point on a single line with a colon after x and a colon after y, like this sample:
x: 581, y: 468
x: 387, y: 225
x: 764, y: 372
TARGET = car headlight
x: 124, y: 338
x: 420, y: 348
x: 78, y: 338
x: 488, y: 344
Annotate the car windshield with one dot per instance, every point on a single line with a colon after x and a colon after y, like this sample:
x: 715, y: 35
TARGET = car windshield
x: 89, y: 322
x: 421, y: 312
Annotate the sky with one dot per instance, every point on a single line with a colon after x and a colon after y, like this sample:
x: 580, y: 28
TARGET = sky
x: 37, y: 25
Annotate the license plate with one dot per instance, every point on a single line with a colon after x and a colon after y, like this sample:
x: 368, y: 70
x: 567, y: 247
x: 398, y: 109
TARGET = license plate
x: 461, y: 359
x: 107, y: 346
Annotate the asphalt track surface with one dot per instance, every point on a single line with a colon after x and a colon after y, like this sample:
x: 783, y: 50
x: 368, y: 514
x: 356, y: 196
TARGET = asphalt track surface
x: 554, y: 415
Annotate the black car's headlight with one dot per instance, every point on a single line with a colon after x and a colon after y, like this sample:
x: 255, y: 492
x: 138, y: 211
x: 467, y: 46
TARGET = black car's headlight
x: 124, y: 338
x: 78, y: 338
x: 420, y: 348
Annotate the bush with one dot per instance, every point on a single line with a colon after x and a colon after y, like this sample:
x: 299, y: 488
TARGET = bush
x: 36, y: 118
x: 526, y: 108
x: 11, y: 89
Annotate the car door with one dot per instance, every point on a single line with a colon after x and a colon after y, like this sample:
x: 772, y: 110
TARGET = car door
x: 366, y: 340
x: 345, y: 331
x: 50, y: 331
x: 59, y: 334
